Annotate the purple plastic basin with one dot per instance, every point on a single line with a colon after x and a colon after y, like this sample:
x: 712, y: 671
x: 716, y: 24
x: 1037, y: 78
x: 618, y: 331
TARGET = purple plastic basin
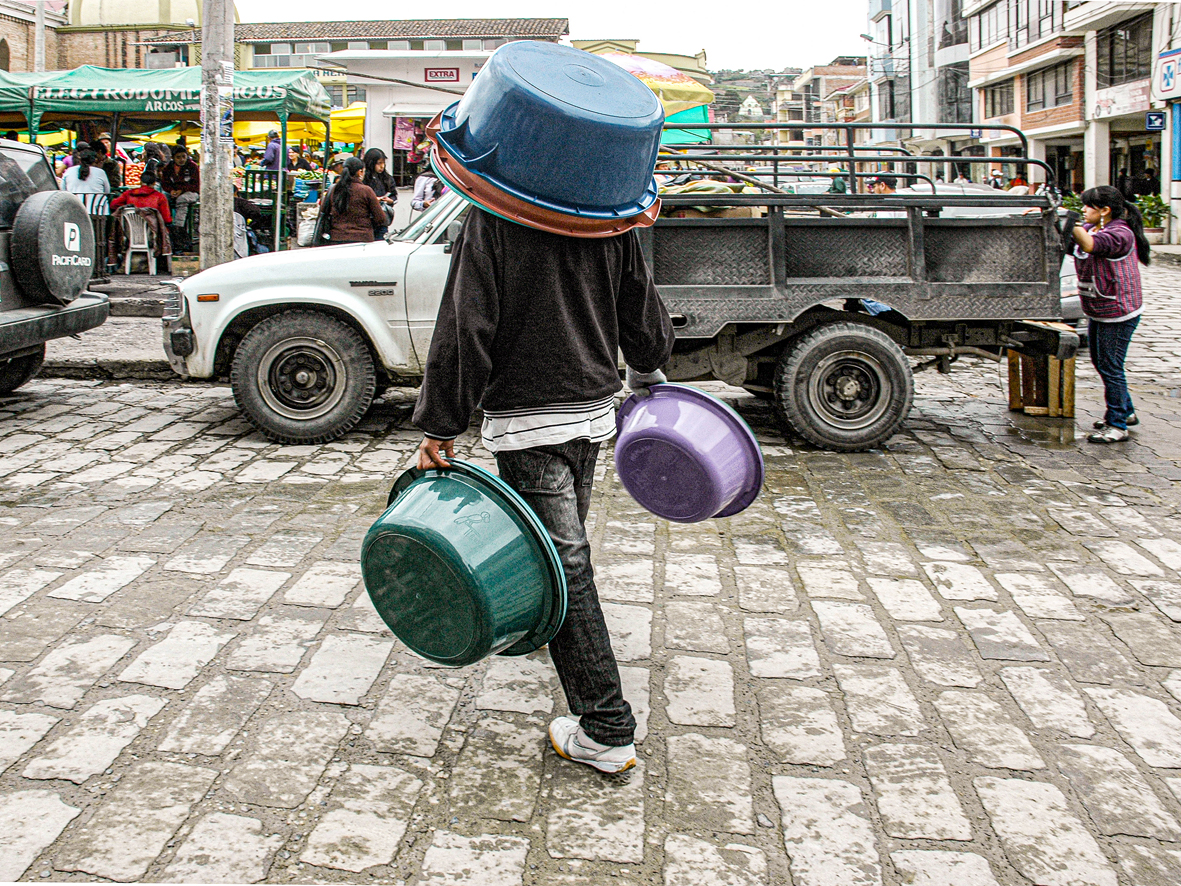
x: 686, y: 456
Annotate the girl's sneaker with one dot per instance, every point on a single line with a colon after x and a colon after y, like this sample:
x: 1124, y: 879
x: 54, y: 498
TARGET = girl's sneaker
x: 1108, y: 435
x: 1132, y: 422
x: 572, y: 743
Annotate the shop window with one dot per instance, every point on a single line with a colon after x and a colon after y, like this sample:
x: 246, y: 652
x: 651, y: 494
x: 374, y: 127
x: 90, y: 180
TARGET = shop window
x: 434, y: 45
x: 473, y: 44
x: 998, y: 100
x: 1125, y: 52
x: 1049, y: 87
x: 398, y: 44
x: 494, y: 42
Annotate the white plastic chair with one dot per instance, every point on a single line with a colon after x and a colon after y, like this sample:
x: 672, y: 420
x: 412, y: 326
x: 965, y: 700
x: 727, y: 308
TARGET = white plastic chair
x: 138, y: 239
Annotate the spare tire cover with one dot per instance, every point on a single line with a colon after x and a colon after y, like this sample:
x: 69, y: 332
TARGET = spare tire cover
x: 52, y: 247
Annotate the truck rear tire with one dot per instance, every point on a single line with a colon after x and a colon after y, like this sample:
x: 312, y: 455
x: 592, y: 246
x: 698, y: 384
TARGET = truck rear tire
x: 844, y: 387
x: 303, y: 377
x: 15, y: 371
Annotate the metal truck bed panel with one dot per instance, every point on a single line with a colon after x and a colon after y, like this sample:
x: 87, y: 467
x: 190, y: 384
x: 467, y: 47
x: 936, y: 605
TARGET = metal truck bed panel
x: 770, y: 269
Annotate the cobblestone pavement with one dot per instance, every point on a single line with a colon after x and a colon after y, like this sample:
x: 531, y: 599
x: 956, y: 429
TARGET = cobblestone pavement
x: 952, y: 661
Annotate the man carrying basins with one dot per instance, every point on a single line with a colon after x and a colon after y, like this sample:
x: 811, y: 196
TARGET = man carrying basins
x: 556, y: 148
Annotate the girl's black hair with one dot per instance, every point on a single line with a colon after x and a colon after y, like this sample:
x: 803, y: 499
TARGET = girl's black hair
x: 148, y: 178
x: 372, y: 157
x: 340, y: 190
x: 1107, y: 197
x: 86, y: 158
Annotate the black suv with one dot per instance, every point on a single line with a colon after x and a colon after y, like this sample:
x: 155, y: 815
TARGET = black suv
x: 46, y: 260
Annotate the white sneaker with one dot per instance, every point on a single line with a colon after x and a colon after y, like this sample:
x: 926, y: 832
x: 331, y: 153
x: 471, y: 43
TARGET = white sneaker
x: 572, y: 743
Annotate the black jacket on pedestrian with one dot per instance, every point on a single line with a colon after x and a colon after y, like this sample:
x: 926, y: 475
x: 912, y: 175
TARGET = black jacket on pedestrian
x: 531, y: 319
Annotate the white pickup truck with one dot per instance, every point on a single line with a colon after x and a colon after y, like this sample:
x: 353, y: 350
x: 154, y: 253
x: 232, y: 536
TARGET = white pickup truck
x: 765, y: 295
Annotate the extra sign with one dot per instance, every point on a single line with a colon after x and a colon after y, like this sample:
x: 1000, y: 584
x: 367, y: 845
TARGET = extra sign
x: 1167, y: 82
x: 441, y: 75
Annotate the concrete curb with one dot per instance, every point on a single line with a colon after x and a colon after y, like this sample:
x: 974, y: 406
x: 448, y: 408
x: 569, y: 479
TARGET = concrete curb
x: 110, y: 370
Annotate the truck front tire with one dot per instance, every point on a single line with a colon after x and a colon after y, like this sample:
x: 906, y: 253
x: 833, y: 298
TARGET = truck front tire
x: 303, y: 377
x: 844, y: 387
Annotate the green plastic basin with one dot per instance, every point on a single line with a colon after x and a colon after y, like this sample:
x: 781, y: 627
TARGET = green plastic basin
x: 460, y: 567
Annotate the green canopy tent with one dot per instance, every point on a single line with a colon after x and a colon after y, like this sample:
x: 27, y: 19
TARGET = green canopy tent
x: 16, y: 112
x: 167, y: 95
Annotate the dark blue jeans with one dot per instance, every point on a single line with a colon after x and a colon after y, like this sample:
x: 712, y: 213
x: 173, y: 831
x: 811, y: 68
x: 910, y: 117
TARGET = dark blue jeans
x: 1109, y: 347
x: 556, y: 482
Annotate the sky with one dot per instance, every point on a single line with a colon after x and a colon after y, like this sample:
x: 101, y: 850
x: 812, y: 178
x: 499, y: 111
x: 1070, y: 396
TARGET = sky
x: 781, y: 33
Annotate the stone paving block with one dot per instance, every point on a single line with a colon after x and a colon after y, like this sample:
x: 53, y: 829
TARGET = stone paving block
x: 1167, y: 550
x: 410, y: 719
x: 694, y: 575
x: 1000, y: 635
x: 700, y: 691
x: 18, y: 585
x: 498, y: 773
x: 361, y: 616
x: 277, y: 642
x: 29, y: 822
x: 827, y: 832
x: 240, y: 594
x: 829, y: 580
x: 629, y: 538
x: 914, y: 795
x: 939, y: 655
x: 708, y: 785
x: 207, y: 554
x: 906, y: 599
x: 922, y: 868
x: 455, y: 860
x: 760, y: 552
x: 694, y: 627
x: 1087, y: 581
x: 1087, y: 655
x: 985, y: 732
x: 1115, y: 795
x: 19, y: 732
x: 1149, y: 864
x: 629, y: 581
x: 1049, y: 700
x: 222, y: 848
x: 1123, y: 558
x: 886, y: 558
x: 326, y: 584
x: 692, y: 862
x: 596, y: 818
x: 630, y: 628
x: 765, y: 589
x: 1165, y: 596
x: 216, y: 713
x: 1080, y: 522
x: 343, y: 668
x: 61, y: 521
x: 136, y: 819
x: 368, y: 812
x: 1038, y: 597
x: 178, y: 658
x: 1144, y: 722
x: 524, y: 685
x: 780, y: 647
x: 283, y: 550
x: 66, y: 673
x: 959, y: 581
x: 1042, y: 838
x: 161, y: 538
x: 1153, y: 641
x: 851, y: 629
x: 5, y: 673
x: 96, y: 739
x: 26, y: 634
x: 798, y: 724
x: 150, y: 601
x: 878, y: 700
x: 264, y: 471
x: 636, y: 691
x: 298, y: 744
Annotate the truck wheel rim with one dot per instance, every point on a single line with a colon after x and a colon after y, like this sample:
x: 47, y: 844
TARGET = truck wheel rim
x: 850, y: 390
x: 302, y: 378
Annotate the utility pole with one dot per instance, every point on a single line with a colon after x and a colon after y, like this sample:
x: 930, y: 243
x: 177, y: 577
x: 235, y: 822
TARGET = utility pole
x: 217, y: 133
x: 39, y: 36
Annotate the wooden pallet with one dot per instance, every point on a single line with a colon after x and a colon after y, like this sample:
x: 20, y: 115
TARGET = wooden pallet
x: 1041, y: 385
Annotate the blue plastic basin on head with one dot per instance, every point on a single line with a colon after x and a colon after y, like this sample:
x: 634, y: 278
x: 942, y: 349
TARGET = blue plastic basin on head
x: 560, y: 128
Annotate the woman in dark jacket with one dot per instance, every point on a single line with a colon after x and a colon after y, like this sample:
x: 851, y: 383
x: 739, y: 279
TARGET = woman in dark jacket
x: 381, y: 182
x: 354, y: 212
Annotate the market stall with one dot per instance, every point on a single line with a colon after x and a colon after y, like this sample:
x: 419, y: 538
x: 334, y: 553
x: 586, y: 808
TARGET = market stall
x: 118, y: 94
